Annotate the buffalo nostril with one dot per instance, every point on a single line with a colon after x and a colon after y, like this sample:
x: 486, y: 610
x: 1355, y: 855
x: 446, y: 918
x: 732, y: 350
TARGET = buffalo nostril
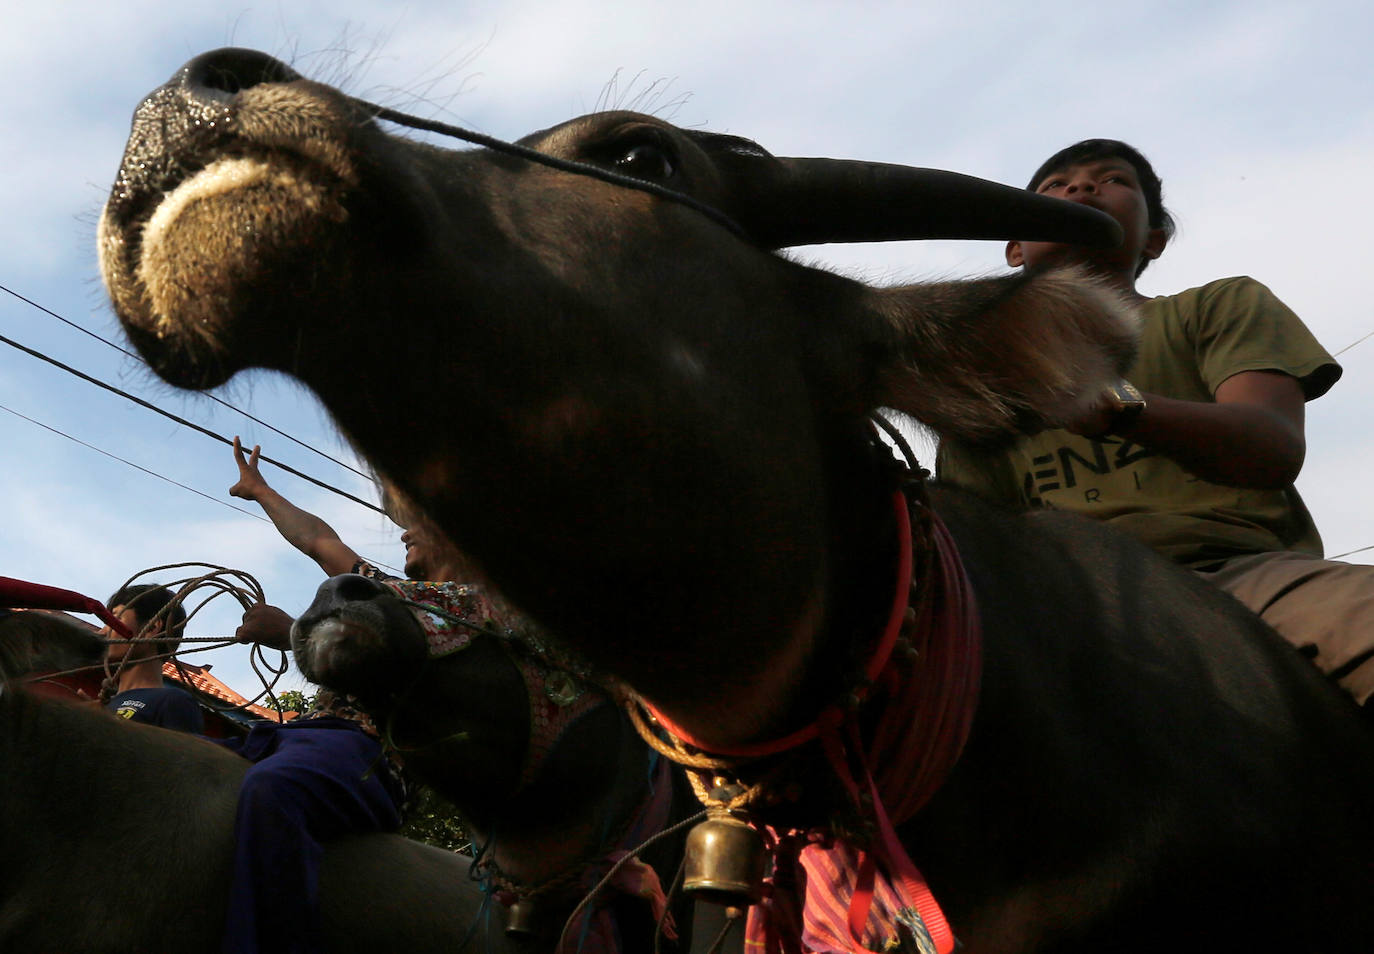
x: 352, y: 588
x: 221, y: 74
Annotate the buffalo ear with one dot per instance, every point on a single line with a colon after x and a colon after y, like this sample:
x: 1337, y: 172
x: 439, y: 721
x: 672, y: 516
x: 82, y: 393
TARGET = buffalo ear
x: 783, y: 202
x: 985, y: 359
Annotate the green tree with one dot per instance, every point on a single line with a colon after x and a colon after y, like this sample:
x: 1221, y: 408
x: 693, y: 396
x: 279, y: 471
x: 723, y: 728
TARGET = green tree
x: 433, y: 820
x: 293, y: 700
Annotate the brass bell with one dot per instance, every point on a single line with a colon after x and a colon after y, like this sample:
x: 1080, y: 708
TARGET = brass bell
x: 523, y: 920
x: 724, y: 861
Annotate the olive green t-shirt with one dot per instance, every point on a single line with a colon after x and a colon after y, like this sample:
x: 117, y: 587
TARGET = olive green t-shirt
x: 1190, y: 343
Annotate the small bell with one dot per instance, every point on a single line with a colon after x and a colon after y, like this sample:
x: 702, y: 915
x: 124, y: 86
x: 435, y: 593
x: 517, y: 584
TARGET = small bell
x: 724, y: 861
x: 522, y: 919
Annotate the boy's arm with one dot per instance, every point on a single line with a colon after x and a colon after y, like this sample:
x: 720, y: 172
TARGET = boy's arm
x: 304, y: 531
x: 1261, y: 363
x: 266, y: 624
x: 1252, y: 436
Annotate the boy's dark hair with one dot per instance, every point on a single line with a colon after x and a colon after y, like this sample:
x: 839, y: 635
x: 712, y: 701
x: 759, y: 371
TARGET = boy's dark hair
x: 1091, y: 150
x: 147, y: 600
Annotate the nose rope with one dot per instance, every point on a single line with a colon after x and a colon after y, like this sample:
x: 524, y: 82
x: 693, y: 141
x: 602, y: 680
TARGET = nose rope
x: 559, y: 693
x: 553, y: 162
x: 552, y: 655
x: 453, y: 618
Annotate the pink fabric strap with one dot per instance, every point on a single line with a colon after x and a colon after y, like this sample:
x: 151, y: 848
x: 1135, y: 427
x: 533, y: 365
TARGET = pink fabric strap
x: 20, y: 593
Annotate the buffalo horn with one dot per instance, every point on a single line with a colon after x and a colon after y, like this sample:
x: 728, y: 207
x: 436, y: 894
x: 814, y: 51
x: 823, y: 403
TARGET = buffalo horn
x: 815, y: 201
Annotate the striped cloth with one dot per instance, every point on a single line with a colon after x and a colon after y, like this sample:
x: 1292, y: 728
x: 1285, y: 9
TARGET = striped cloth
x: 828, y: 896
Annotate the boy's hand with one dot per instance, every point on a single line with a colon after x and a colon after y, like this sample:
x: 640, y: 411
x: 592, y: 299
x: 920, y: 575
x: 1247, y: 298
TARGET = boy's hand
x: 251, y: 484
x: 1096, y: 422
x: 1115, y: 412
x: 266, y: 624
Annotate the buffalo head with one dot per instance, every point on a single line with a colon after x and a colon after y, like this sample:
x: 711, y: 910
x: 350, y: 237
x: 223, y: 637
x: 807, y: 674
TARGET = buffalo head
x: 637, y: 416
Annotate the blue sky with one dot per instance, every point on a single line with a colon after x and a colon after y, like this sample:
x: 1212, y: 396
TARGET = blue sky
x: 1257, y: 115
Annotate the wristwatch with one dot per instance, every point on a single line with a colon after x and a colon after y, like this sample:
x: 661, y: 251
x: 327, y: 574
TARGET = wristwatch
x: 1125, y: 402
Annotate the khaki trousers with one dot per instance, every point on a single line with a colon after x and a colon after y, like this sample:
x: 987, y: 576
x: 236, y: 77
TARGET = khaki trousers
x: 1323, y: 607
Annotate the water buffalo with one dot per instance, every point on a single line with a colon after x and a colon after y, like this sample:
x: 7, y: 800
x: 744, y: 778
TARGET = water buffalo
x: 118, y: 837
x: 154, y: 860
x: 43, y: 643
x: 545, y: 769
x: 653, y: 431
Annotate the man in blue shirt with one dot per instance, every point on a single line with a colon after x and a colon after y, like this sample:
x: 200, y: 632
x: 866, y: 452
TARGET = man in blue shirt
x: 142, y: 694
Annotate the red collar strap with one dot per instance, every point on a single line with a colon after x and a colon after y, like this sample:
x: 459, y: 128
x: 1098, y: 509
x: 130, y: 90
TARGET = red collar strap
x: 833, y: 715
x: 928, y: 698
x: 19, y: 593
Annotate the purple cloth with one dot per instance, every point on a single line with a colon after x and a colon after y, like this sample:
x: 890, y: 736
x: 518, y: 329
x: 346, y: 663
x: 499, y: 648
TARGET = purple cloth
x: 311, y: 781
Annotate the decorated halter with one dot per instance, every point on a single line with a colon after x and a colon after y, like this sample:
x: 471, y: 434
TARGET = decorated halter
x: 452, y: 615
x: 560, y: 692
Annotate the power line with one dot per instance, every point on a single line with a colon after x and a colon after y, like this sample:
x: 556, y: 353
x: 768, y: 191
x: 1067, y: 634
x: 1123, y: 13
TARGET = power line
x: 145, y: 470
x: 1352, y: 344
x: 163, y: 477
x: 1347, y: 553
x: 182, y: 421
x: 220, y: 401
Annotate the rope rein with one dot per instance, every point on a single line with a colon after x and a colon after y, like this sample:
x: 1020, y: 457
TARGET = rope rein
x: 553, y: 162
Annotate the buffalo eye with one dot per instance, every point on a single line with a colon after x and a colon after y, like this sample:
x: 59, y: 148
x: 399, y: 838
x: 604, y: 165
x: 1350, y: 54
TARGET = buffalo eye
x: 645, y: 161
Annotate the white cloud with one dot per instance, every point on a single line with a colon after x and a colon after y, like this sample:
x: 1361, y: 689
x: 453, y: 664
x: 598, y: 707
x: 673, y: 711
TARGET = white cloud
x: 1256, y: 114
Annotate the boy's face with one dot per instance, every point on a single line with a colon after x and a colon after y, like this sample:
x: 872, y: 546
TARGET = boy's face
x: 1109, y: 185
x: 119, y: 648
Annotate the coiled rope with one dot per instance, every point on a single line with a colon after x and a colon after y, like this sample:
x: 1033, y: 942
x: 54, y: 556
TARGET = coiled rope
x: 199, y: 590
